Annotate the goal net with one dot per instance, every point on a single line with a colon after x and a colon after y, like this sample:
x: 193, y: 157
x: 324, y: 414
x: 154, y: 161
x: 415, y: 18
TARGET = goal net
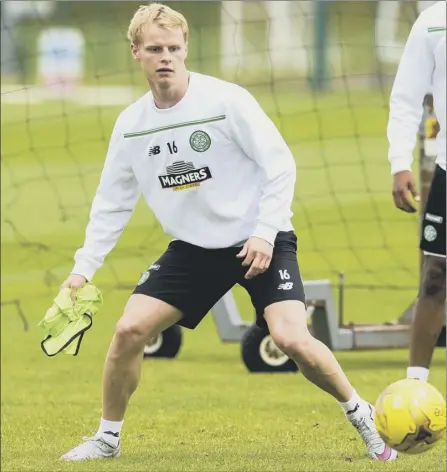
x: 321, y: 70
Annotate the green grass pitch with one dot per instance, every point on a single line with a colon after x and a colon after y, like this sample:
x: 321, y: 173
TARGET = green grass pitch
x: 202, y: 411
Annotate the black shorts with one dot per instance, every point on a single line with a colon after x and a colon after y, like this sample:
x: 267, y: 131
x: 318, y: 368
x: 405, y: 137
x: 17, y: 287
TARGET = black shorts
x: 433, y: 224
x: 193, y: 279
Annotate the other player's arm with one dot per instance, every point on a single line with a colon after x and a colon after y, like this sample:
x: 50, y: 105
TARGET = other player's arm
x: 112, y: 207
x: 259, y: 138
x: 412, y: 82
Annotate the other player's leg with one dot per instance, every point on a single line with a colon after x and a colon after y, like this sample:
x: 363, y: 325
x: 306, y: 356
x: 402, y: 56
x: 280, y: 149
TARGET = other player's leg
x: 278, y: 296
x: 428, y: 317
x: 428, y: 313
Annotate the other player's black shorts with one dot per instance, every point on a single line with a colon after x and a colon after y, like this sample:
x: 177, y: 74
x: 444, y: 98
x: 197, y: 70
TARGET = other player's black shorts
x: 433, y: 225
x: 193, y: 279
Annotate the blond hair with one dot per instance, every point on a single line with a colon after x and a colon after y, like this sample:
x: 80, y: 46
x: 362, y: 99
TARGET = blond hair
x: 155, y: 13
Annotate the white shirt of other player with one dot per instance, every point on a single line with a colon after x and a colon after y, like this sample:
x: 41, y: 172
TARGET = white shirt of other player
x: 422, y: 68
x: 213, y: 169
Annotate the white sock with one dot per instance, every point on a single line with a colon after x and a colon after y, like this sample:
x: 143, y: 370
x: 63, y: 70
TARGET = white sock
x: 420, y: 373
x: 111, y: 430
x: 352, y: 405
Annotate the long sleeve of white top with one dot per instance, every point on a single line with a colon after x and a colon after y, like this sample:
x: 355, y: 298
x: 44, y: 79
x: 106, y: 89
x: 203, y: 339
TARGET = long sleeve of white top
x: 412, y: 82
x: 112, y: 207
x: 261, y: 141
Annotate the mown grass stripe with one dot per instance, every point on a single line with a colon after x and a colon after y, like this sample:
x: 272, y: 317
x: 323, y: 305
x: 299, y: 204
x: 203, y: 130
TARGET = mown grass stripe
x: 175, y: 126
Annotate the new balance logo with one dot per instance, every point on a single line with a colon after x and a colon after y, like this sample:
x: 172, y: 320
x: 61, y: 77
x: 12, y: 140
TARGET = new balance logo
x: 286, y: 286
x: 154, y: 150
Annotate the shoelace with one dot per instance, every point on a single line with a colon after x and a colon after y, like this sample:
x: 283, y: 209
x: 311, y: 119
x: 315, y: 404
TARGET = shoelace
x: 86, y: 452
x: 93, y: 453
x: 97, y: 438
x: 369, y: 434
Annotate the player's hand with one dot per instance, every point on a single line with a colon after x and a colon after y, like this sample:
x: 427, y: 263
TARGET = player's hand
x: 257, y: 254
x: 74, y: 282
x: 404, y: 186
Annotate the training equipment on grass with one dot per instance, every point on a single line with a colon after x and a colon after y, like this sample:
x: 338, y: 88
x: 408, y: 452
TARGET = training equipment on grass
x: 411, y: 416
x: 166, y: 344
x: 260, y: 353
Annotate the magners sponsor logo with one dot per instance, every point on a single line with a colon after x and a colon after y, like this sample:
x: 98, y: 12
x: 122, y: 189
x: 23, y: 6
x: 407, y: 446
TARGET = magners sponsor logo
x: 182, y: 175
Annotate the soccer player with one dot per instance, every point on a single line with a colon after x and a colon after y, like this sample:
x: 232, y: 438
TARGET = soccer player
x: 422, y: 67
x: 220, y: 179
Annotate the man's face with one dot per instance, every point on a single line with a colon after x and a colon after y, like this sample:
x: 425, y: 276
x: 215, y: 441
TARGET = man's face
x: 161, y: 53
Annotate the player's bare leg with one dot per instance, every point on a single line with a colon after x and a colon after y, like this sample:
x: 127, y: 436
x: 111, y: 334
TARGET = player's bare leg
x: 428, y: 316
x: 143, y: 317
x: 287, y: 322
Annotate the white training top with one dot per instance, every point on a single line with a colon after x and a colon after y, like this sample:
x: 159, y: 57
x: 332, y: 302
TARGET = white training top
x: 214, y: 170
x: 421, y: 69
